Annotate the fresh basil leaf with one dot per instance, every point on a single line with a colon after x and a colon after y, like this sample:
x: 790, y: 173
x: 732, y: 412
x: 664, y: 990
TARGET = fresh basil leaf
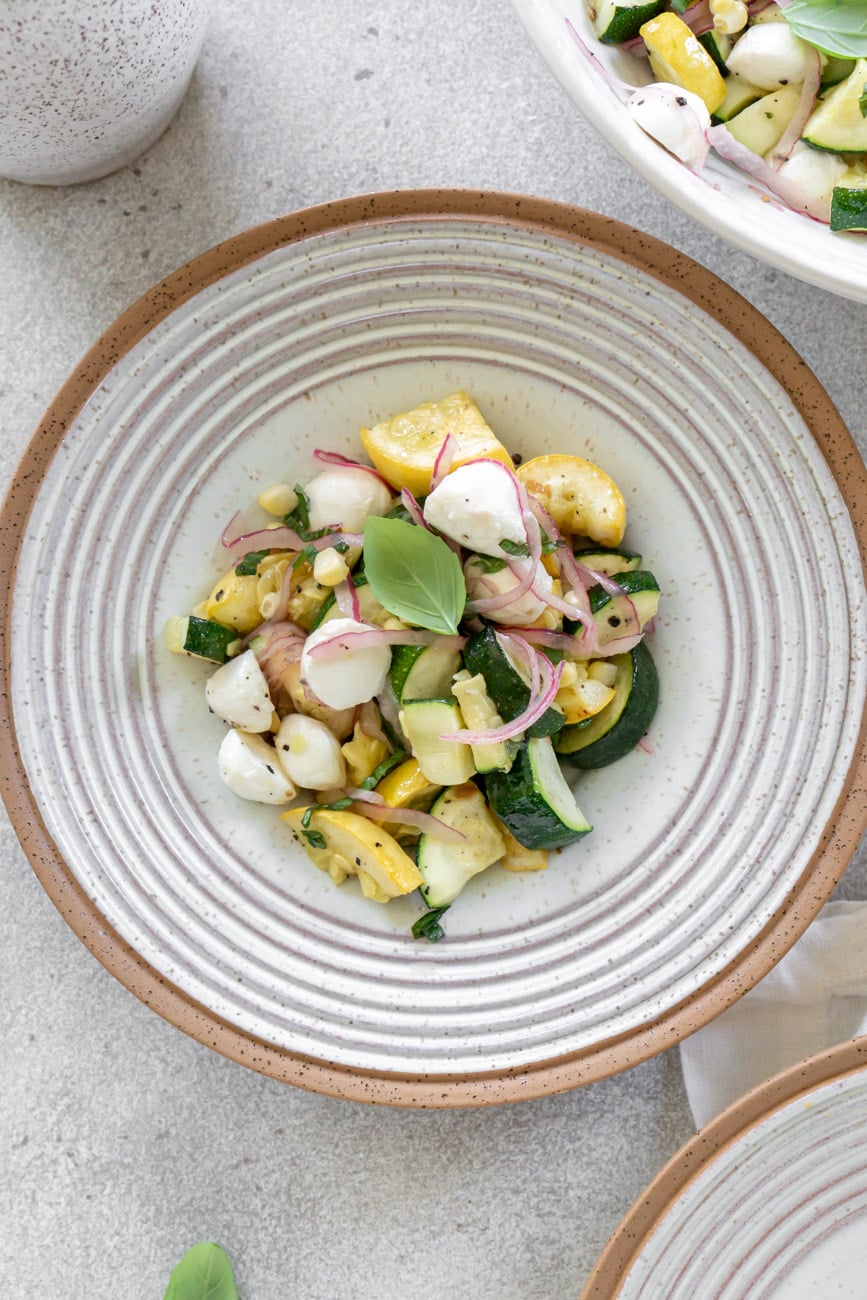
x: 414, y: 574
x: 382, y: 769
x: 315, y: 839
x: 428, y: 926
x: 488, y: 563
x: 836, y: 27
x: 299, y: 518
x: 514, y: 548
x: 250, y: 563
x: 204, y: 1273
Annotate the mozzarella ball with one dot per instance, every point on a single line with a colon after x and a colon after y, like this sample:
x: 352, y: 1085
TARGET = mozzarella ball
x: 478, y: 506
x: 521, y: 612
x: 351, y: 677
x: 770, y: 56
x: 345, y: 496
x: 813, y: 170
x: 309, y: 754
x: 249, y: 767
x: 676, y: 118
x: 238, y: 693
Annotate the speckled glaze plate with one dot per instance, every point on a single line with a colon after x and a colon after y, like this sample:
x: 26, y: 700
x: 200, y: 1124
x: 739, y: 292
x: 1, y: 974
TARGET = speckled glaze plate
x: 720, y: 196
x: 713, y: 847
x: 769, y: 1201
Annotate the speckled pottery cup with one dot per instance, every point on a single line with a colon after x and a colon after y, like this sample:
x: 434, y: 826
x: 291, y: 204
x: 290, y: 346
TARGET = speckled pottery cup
x: 88, y: 85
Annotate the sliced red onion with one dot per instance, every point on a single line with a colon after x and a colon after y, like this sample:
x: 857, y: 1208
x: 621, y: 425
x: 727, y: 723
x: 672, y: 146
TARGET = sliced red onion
x: 369, y: 721
x: 375, y: 807
x: 572, y: 645
x: 443, y: 462
x: 798, y: 120
x: 614, y: 82
x: 518, y: 646
x: 346, y: 599
x: 534, y: 710
x: 390, y: 710
x: 796, y: 198
x: 334, y: 458
x: 524, y: 569
x: 594, y: 578
x: 698, y: 17
x: 413, y: 509
x: 372, y: 636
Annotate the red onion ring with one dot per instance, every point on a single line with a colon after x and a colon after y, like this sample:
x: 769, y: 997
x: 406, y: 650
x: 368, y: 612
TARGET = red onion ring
x: 346, y: 599
x: 413, y: 509
x: 798, y: 120
x: 443, y: 462
x: 375, y: 807
x: 334, y: 458
x: 536, y: 707
x: 794, y: 197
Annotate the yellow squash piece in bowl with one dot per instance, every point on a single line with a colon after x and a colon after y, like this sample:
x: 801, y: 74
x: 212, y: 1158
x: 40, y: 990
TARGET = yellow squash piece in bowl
x: 677, y: 55
x: 404, y: 448
x: 234, y: 602
x: 579, y: 497
x: 343, y: 844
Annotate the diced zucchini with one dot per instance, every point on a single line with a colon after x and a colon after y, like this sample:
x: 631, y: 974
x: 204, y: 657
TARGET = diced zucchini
x: 760, y: 126
x: 369, y: 607
x: 480, y: 714
x: 836, y: 70
x: 201, y: 637
x: 444, y: 762
x: 849, y: 202
x: 615, y: 615
x: 506, y: 681
x: 739, y: 93
x: 718, y: 46
x: 610, y: 562
x: 619, y: 20
x: 423, y: 672
x: 447, y: 865
x: 616, y: 731
x: 535, y: 801
x: 837, y: 124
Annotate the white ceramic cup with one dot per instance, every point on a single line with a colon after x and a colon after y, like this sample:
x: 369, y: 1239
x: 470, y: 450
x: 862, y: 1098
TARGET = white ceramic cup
x: 88, y: 85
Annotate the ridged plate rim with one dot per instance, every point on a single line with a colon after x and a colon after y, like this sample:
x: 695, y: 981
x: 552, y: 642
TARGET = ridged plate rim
x: 616, y: 241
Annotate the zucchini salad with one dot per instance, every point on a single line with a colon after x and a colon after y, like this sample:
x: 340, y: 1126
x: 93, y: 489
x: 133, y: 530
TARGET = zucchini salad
x: 777, y: 89
x: 416, y: 647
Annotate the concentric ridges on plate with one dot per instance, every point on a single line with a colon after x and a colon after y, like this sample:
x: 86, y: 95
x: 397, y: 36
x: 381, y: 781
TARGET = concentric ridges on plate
x: 287, y: 970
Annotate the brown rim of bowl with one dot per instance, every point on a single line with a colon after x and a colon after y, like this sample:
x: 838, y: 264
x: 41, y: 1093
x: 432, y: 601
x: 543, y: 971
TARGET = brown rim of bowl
x: 732, y: 1124
x: 840, y: 837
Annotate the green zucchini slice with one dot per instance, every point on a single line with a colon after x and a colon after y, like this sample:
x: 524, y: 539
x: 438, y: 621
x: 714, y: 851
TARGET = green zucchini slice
x: 423, y: 672
x: 484, y: 653
x: 447, y: 866
x: 534, y: 799
x: 619, y: 20
x: 615, y: 615
x: 837, y: 124
x: 202, y: 637
x: 616, y: 730
x: 611, y: 561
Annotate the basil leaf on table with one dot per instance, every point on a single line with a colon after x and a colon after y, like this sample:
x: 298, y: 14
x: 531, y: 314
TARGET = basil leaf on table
x: 414, y: 574
x: 204, y: 1273
x: 836, y: 27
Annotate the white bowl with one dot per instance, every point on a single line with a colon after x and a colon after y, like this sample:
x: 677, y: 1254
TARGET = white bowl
x: 722, y: 197
x: 712, y: 849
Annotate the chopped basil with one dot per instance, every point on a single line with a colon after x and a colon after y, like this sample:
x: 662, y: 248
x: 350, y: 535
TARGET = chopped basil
x: 488, y: 563
x: 250, y: 563
x: 514, y: 548
x: 383, y: 768
x: 428, y: 926
x: 315, y: 839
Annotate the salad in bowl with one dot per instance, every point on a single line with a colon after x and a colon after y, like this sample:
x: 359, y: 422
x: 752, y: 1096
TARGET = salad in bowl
x: 777, y: 89
x: 413, y: 653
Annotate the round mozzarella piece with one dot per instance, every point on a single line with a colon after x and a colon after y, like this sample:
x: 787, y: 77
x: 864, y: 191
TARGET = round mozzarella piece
x: 346, y: 497
x: 813, y: 170
x: 353, y: 675
x: 770, y: 56
x: 309, y: 754
x: 248, y: 765
x: 478, y: 505
x: 238, y: 693
x: 676, y: 118
x: 519, y: 613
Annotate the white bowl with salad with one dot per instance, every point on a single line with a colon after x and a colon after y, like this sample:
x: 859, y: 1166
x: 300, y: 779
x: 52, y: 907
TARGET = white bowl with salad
x: 748, y: 115
x: 423, y: 469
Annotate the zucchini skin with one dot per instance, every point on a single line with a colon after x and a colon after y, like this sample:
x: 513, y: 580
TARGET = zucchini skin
x: 513, y: 796
x: 482, y: 654
x: 628, y: 728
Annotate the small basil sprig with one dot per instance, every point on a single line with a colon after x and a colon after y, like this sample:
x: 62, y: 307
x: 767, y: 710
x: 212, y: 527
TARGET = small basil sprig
x: 204, y: 1273
x: 837, y: 27
x: 428, y: 926
x: 414, y: 574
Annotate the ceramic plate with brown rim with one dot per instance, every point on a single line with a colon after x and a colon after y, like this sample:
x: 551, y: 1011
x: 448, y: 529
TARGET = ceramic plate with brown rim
x: 768, y: 1201
x: 713, y: 846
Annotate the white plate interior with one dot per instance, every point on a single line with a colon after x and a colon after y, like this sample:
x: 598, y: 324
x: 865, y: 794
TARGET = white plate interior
x: 696, y: 844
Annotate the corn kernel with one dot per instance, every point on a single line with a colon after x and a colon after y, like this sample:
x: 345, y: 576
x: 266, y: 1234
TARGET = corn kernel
x: 329, y: 567
x: 600, y: 671
x: 278, y: 499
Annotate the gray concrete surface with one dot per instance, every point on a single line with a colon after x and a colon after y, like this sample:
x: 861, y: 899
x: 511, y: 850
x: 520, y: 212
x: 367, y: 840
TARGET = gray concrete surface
x: 121, y: 1141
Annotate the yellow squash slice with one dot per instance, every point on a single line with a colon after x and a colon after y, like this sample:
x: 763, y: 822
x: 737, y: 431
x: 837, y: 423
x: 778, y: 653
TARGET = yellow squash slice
x: 677, y: 55
x: 579, y: 496
x: 343, y: 844
x: 404, y: 449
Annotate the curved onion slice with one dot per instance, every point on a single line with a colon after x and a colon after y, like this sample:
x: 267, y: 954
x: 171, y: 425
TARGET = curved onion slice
x: 334, y: 458
x: 346, y: 599
x: 333, y: 647
x: 413, y: 509
x: 443, y: 462
x: 369, y: 721
x: 524, y: 569
x: 534, y: 710
x: 378, y: 810
x: 796, y: 198
x: 798, y: 120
